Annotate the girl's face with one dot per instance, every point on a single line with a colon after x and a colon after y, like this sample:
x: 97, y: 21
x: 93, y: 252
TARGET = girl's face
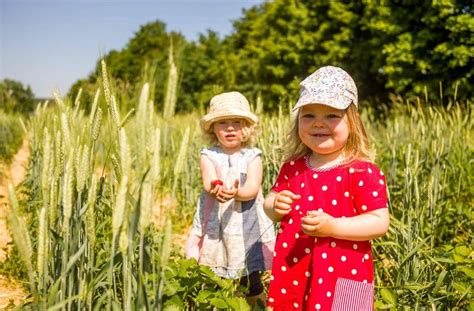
x: 229, y: 134
x: 323, y: 129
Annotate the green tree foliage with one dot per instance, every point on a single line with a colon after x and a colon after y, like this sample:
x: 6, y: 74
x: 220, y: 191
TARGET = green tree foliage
x: 403, y: 47
x: 15, y: 97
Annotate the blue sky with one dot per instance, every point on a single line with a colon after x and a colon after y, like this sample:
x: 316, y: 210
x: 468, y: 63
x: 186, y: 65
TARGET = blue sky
x: 49, y: 44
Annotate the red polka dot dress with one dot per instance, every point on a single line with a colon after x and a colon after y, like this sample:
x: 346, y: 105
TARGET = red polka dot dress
x: 312, y: 273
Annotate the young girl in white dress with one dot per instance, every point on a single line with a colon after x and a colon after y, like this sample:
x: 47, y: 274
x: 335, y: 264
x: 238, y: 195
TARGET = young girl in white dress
x: 231, y: 233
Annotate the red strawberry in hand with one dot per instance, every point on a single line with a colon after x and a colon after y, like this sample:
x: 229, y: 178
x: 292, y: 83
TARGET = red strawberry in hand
x: 217, y: 182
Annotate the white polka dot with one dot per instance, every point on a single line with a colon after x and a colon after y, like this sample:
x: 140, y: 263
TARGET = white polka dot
x: 290, y: 221
x: 286, y: 177
x: 370, y: 170
x: 361, y: 183
x: 381, y: 173
x: 338, y: 178
x: 315, y: 176
x: 297, y: 207
x: 315, y: 240
x: 305, y: 297
x: 346, y: 194
x: 343, y: 258
x: 280, y: 230
x: 334, y: 202
x: 296, y: 174
x: 285, y: 245
x: 351, y: 170
x: 295, y: 260
x: 295, y: 305
x: 366, y: 256
x: 328, y: 294
x: 302, y: 185
x: 307, y: 250
x: 307, y: 274
x: 272, y: 278
x: 283, y: 291
x: 364, y: 207
x: 297, y: 235
x: 271, y: 299
x: 375, y: 194
x: 283, y: 268
x: 320, y: 209
x: 331, y: 269
x: 354, y: 271
x: 333, y: 244
x: 317, y: 306
x: 274, y: 254
x: 324, y: 188
x: 320, y: 281
x: 310, y: 198
x: 381, y: 181
x: 324, y: 255
x: 276, y: 185
x: 364, y: 281
x: 355, y: 246
x: 292, y: 162
x: 355, y: 211
x: 295, y: 282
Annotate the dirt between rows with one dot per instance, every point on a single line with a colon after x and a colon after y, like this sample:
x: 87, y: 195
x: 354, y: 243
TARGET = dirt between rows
x: 12, y: 291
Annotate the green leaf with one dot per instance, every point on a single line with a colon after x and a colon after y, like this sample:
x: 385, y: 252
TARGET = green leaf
x: 389, y: 296
x: 467, y: 271
x: 219, y: 303
x: 238, y: 303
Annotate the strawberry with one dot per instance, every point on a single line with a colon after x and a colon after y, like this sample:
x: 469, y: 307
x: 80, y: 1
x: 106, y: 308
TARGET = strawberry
x: 217, y: 182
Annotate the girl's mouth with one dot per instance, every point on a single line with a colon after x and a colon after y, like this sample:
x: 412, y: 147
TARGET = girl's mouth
x: 230, y: 136
x: 320, y: 135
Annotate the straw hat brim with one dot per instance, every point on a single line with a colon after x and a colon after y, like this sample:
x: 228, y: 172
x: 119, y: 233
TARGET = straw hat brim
x: 211, y: 117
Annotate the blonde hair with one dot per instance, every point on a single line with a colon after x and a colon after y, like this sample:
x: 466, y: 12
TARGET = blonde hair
x: 356, y: 147
x: 248, y: 133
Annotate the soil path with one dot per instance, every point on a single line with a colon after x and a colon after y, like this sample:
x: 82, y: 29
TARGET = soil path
x: 11, y: 291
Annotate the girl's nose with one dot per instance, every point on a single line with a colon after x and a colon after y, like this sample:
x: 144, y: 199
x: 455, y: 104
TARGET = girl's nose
x: 317, y: 123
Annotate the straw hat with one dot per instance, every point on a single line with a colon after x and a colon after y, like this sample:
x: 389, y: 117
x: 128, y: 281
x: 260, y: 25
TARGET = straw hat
x: 228, y: 105
x: 330, y: 86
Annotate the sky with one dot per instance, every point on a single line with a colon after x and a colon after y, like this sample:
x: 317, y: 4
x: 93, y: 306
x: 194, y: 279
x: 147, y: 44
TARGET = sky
x: 49, y: 44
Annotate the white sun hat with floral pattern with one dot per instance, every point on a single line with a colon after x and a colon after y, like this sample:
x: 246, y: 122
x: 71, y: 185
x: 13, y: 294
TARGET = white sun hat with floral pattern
x: 226, y: 106
x: 330, y: 86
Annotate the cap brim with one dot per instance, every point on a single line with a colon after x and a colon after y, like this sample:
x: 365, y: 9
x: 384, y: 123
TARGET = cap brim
x: 341, y: 103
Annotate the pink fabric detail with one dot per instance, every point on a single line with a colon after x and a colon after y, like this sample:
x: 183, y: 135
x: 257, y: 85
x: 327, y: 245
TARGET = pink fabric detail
x: 351, y: 295
x: 194, y: 242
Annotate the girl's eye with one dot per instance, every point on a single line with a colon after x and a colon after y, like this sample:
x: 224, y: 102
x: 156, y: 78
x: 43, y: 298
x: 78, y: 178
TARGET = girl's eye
x: 307, y: 115
x: 334, y: 116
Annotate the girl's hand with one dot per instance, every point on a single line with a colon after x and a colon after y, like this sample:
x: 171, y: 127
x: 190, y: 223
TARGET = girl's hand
x: 228, y: 194
x: 216, y: 189
x: 318, y: 223
x: 283, y: 201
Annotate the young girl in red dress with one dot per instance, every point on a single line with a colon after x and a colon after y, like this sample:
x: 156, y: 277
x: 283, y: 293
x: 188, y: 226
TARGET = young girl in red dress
x: 330, y: 199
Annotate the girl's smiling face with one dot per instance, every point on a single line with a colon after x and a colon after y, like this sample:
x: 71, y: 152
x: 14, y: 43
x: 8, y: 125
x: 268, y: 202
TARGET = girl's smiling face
x: 229, y: 134
x: 323, y: 129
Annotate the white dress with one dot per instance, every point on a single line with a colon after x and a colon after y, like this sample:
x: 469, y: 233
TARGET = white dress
x: 234, y: 238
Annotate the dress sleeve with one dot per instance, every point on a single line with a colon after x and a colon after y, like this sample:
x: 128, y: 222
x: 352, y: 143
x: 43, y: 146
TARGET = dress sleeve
x: 281, y: 182
x: 369, y: 189
x: 251, y: 154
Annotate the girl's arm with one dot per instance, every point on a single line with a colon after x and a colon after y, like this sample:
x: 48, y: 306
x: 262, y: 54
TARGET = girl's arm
x: 208, y: 174
x: 253, y: 182
x: 362, y: 227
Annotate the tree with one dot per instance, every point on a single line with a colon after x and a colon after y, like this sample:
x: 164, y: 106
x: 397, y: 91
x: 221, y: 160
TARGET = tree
x: 14, y: 97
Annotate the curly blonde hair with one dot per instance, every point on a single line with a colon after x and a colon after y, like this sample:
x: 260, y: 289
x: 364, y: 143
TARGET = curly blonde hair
x: 248, y: 133
x: 356, y: 147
